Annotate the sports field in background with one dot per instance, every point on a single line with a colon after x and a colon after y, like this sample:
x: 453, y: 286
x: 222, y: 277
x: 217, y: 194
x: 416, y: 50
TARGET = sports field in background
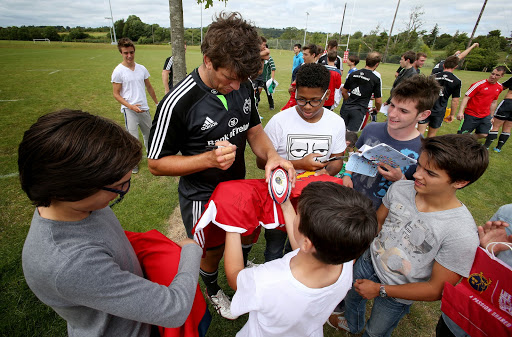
x: 40, y: 78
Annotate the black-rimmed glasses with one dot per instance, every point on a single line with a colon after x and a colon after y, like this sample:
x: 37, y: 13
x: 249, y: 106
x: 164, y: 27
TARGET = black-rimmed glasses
x: 124, y: 189
x: 313, y: 102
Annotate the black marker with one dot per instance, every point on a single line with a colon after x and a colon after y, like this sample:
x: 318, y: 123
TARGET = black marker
x: 214, y: 147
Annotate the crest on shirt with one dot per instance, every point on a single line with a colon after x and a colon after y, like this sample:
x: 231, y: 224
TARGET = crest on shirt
x: 247, y: 106
x: 232, y: 122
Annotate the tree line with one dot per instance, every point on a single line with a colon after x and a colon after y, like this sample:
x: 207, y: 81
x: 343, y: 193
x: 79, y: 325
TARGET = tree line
x: 412, y: 37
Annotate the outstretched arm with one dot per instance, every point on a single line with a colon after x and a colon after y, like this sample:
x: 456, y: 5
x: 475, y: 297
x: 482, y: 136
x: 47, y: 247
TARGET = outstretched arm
x: 289, y: 218
x: 233, y: 258
x: 467, y: 51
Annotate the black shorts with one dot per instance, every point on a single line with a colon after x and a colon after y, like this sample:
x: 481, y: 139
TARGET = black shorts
x: 435, y: 120
x: 259, y: 83
x: 191, y: 211
x: 480, y: 125
x: 355, y: 119
x: 504, y: 110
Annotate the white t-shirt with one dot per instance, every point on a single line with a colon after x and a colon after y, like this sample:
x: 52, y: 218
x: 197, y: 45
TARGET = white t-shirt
x: 294, y: 138
x: 281, y: 306
x: 133, y: 89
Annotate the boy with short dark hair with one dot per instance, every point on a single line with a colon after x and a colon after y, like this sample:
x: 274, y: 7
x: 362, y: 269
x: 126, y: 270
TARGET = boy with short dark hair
x: 294, y: 295
x: 426, y: 237
x: 76, y: 257
x: 352, y: 62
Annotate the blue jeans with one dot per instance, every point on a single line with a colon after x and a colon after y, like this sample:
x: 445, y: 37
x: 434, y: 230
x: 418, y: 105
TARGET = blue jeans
x: 276, y: 240
x: 386, y: 312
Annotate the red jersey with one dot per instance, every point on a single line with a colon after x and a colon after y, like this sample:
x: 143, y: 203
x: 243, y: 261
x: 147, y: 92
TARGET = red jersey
x: 334, y: 84
x: 482, y: 94
x: 244, y: 206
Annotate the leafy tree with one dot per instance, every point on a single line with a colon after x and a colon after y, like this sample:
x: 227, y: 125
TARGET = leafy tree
x: 357, y: 35
x: 443, y: 40
x: 51, y: 33
x: 134, y: 28
x: 481, y: 58
x: 431, y: 38
x: 119, y: 27
x: 77, y: 33
x: 292, y: 33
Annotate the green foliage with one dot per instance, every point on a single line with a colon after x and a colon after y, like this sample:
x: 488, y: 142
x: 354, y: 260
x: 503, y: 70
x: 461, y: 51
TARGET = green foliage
x: 430, y: 39
x: 77, y: 34
x: 134, y: 28
x: 119, y: 27
x: 481, y: 59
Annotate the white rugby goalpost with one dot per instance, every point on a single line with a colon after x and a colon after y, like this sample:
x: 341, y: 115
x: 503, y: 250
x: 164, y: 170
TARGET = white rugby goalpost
x: 45, y: 40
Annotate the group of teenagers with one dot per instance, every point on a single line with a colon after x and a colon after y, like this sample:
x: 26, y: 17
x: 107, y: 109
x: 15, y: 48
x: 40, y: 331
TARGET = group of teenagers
x: 338, y: 242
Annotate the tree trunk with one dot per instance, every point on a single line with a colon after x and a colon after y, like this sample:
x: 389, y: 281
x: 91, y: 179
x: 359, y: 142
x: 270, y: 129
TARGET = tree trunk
x: 177, y: 40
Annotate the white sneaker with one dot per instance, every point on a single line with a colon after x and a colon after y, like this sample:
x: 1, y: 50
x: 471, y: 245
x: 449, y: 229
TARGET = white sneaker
x: 222, y: 304
x: 251, y: 264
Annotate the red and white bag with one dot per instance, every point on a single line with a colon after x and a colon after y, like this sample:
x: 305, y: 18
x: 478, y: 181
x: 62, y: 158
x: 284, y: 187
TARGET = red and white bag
x: 482, y: 303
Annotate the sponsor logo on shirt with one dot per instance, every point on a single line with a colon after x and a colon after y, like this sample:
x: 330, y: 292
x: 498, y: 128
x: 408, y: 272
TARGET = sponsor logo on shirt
x: 247, y: 106
x: 208, y: 124
x: 356, y: 91
x: 232, y: 122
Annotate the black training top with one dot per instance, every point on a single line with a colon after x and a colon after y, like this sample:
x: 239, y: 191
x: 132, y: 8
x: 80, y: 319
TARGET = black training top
x: 192, y: 116
x: 362, y: 84
x: 450, y: 85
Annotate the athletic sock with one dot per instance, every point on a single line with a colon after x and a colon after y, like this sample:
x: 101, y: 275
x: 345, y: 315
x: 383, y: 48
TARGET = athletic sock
x: 502, y: 140
x: 245, y: 251
x: 210, y: 281
x: 490, y: 138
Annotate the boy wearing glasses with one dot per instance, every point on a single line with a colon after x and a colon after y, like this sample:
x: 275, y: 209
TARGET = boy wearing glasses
x: 77, y: 258
x: 307, y: 135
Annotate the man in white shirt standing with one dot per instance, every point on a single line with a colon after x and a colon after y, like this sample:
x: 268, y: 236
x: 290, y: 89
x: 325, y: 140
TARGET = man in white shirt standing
x: 129, y: 81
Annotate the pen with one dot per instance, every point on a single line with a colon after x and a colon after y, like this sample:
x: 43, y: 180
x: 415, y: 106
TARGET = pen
x: 214, y: 147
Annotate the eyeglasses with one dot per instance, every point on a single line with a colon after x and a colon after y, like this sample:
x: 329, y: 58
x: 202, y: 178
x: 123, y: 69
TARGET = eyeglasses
x: 124, y: 189
x: 313, y: 102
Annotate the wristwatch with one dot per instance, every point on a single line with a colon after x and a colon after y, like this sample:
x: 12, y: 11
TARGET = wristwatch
x: 382, y: 291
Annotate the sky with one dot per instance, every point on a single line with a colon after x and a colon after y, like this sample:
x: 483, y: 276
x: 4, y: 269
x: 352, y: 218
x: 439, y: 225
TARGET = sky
x: 324, y: 15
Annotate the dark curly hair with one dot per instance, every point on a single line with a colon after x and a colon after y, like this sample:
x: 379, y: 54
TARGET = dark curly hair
x: 233, y: 43
x: 69, y: 155
x: 313, y: 75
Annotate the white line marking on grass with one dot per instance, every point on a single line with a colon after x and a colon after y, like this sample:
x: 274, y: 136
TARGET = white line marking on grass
x: 9, y: 100
x: 9, y: 175
x: 53, y: 72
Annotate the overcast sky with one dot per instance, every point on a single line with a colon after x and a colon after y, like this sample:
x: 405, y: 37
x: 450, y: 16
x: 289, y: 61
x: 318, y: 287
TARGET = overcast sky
x: 325, y: 15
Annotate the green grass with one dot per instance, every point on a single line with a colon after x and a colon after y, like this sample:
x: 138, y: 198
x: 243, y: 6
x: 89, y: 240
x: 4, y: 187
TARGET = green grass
x: 40, y: 78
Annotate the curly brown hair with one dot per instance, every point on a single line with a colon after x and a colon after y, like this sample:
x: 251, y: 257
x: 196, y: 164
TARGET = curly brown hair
x: 233, y: 43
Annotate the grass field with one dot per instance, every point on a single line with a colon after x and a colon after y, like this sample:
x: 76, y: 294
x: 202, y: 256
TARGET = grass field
x: 40, y: 78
